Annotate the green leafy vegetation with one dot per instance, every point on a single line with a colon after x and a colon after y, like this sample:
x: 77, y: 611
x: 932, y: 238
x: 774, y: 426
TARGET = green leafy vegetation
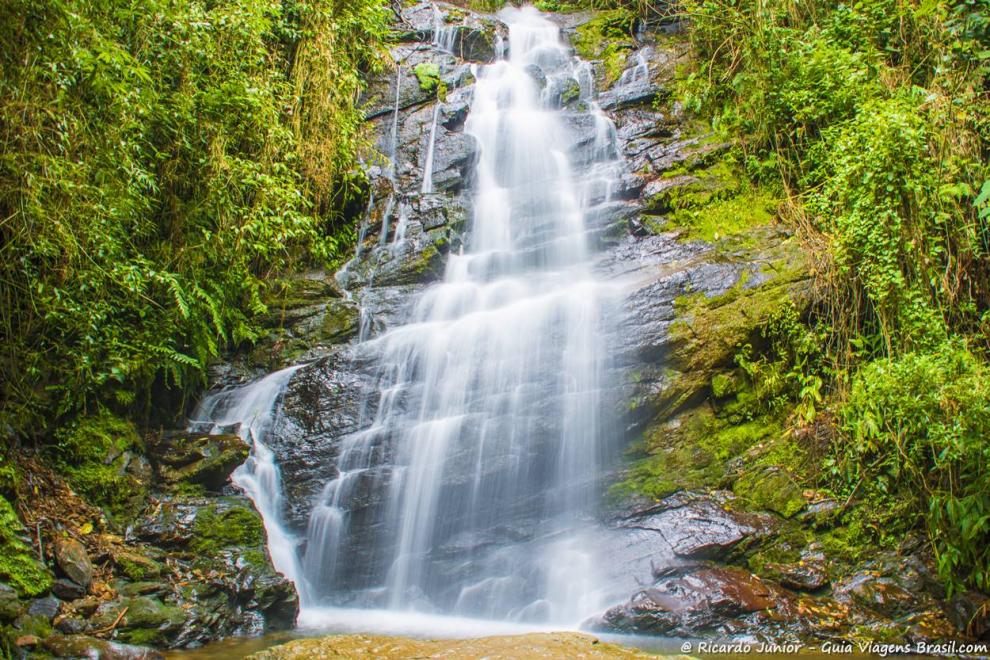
x: 161, y: 161
x: 873, y: 118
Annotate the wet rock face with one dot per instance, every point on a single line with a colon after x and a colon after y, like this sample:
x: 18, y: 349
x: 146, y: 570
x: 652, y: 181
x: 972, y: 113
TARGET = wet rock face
x: 697, y: 527
x: 323, y: 403
x: 198, y: 458
x: 699, y: 602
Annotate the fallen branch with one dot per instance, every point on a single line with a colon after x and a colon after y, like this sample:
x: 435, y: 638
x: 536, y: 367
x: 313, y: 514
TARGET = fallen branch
x: 113, y: 626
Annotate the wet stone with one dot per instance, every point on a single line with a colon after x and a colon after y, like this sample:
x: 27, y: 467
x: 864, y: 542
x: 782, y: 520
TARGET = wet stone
x: 74, y: 561
x: 45, y: 607
x: 67, y: 589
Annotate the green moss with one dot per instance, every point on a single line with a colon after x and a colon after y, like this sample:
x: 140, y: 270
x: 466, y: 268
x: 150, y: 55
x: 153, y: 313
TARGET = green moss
x: 256, y: 558
x: 9, y: 474
x: 294, y: 292
x: 340, y: 321
x: 137, y: 567
x: 715, y: 220
x: 428, y: 75
x: 724, y: 384
x: 785, y: 549
x: 149, y: 622
x: 770, y: 489
x: 696, y: 453
x: 238, y: 526
x: 18, y: 565
x: 93, y: 453
x: 607, y: 37
x: 33, y: 624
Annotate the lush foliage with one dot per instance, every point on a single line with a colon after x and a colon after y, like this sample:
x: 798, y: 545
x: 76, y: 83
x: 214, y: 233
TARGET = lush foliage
x: 917, y: 429
x: 875, y: 117
x: 160, y: 160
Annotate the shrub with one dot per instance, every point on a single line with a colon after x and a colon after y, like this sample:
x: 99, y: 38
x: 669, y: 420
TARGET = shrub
x: 917, y: 429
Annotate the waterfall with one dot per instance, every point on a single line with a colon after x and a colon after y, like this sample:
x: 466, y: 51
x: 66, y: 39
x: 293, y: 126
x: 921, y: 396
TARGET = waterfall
x: 636, y: 74
x: 443, y: 35
x: 428, y: 164
x: 251, y: 410
x: 488, y: 411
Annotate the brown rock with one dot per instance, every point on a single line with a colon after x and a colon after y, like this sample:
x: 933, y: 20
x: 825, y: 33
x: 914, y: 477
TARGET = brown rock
x: 74, y: 561
x: 694, y: 602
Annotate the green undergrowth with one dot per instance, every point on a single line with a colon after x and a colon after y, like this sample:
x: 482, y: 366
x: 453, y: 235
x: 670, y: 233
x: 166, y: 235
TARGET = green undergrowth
x: 19, y: 566
x: 711, y: 198
x: 874, y: 116
x: 162, y: 162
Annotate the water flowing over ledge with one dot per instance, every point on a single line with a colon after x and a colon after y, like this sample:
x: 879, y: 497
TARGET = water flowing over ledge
x: 484, y: 435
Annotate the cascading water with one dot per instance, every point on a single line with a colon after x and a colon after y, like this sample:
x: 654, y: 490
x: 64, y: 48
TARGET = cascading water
x: 427, y: 186
x: 488, y: 409
x: 250, y: 410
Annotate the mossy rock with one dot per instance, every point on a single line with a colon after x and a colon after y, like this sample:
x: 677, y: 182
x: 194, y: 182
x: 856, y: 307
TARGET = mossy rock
x: 607, y: 38
x: 770, y: 489
x: 216, y: 528
x: 428, y: 75
x: 290, y: 293
x: 147, y: 621
x: 19, y: 566
x: 102, y: 458
x: 37, y: 625
x: 340, y: 321
x: 695, y: 451
x: 197, y: 458
x: 137, y: 566
x: 785, y: 548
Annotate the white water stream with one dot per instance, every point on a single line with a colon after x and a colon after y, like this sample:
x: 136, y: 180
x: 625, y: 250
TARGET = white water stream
x: 489, y: 403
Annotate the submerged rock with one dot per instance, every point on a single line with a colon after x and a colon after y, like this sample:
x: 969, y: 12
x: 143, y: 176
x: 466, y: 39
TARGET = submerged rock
x: 82, y: 646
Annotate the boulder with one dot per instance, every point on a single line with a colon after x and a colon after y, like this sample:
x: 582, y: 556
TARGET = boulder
x: 11, y: 606
x: 198, y: 458
x: 67, y: 589
x: 221, y: 580
x: 809, y: 573
x: 73, y: 559
x: 698, y: 527
x: 696, y: 602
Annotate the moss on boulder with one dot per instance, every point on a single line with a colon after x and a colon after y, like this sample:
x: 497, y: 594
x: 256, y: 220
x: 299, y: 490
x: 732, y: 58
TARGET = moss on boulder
x: 236, y: 526
x: 607, y: 38
x: 101, y: 456
x: 19, y: 565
